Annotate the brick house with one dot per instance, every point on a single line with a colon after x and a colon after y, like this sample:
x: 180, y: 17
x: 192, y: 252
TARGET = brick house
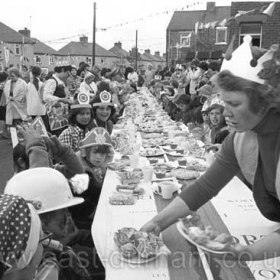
x: 15, y: 48
x: 265, y: 30
x: 182, y: 44
x: 75, y: 52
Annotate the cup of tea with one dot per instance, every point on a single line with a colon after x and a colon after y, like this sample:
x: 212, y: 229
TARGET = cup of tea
x: 182, y: 162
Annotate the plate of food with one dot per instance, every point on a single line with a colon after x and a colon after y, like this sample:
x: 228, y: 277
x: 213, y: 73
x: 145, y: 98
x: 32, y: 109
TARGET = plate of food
x: 195, y: 165
x: 120, y: 164
x: 205, y: 238
x: 184, y: 174
x: 122, y: 199
x: 130, y: 177
x: 152, y: 152
x: 137, y: 247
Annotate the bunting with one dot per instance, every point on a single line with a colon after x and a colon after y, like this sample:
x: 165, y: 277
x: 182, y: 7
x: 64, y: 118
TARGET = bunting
x: 267, y: 10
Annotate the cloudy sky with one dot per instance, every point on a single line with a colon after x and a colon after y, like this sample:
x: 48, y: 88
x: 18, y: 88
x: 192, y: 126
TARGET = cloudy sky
x: 58, y: 22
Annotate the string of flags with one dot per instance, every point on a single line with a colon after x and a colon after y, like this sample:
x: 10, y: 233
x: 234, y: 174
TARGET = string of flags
x: 267, y: 10
x: 187, y: 6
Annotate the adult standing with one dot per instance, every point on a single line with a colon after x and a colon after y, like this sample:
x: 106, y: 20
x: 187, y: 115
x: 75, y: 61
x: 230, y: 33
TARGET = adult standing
x: 3, y: 79
x: 73, y: 82
x: 34, y: 98
x: 88, y: 86
x: 149, y: 75
x: 252, y: 109
x: 15, y: 92
x: 57, y: 102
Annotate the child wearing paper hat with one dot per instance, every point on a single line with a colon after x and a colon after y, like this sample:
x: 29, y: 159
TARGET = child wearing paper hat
x: 80, y: 122
x: 96, y: 151
x: 103, y: 110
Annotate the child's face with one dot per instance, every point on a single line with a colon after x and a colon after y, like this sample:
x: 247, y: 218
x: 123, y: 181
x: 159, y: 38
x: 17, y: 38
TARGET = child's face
x: 205, y: 117
x: 83, y: 117
x: 97, y: 159
x: 216, y: 116
x: 103, y: 113
x: 60, y: 224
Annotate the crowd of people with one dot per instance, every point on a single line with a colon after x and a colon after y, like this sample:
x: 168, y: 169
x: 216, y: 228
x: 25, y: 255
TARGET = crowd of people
x: 79, y: 107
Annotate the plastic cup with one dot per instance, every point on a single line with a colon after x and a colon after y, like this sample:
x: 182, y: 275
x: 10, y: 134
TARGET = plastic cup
x: 147, y: 173
x: 166, y: 189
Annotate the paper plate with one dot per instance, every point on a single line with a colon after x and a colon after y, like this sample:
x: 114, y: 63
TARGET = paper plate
x: 181, y: 229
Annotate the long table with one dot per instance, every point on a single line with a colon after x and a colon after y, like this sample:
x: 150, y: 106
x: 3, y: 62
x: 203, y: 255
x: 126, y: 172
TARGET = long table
x: 185, y: 261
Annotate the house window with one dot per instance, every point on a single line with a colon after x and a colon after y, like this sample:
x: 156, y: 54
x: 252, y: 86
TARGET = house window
x: 38, y: 59
x: 51, y: 59
x: 17, y: 49
x: 185, y: 40
x: 252, y: 29
x: 221, y: 35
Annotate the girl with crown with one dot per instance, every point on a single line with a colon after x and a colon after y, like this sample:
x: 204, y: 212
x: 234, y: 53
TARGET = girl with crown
x: 103, y: 110
x: 80, y: 122
x: 250, y: 91
x: 96, y: 151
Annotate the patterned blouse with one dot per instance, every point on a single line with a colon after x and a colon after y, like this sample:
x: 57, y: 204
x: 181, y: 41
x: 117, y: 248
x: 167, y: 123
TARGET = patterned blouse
x: 72, y: 136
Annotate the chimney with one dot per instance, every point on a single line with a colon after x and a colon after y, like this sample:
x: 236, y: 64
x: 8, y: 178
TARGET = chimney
x: 25, y: 32
x: 148, y: 51
x: 164, y: 55
x: 84, y: 39
x: 118, y: 45
x: 211, y: 6
x: 157, y: 53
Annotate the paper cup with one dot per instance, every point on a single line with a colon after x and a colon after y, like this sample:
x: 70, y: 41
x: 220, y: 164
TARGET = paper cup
x: 166, y: 189
x: 147, y: 173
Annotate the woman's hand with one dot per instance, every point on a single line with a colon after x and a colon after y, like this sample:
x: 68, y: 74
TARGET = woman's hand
x: 151, y: 226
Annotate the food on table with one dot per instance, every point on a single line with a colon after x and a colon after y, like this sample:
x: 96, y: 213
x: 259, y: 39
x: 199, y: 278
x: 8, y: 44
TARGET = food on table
x: 151, y: 152
x: 120, y: 164
x: 122, y: 199
x: 163, y: 166
x: 195, y: 165
x: 184, y: 174
x: 154, y: 142
x: 205, y: 236
x: 130, y: 189
x: 160, y: 174
x: 152, y: 135
x: 133, y: 243
x: 130, y: 177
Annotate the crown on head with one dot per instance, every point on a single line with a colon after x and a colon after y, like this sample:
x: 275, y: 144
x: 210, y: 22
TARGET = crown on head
x: 243, y: 64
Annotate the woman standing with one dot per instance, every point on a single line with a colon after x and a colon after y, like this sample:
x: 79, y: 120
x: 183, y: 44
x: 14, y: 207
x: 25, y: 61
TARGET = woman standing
x: 252, y: 109
x: 3, y: 79
x: 34, y: 97
x: 103, y: 110
x: 15, y: 92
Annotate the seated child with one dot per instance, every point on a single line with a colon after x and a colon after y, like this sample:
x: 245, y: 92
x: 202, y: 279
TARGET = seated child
x: 96, y: 151
x: 49, y: 192
x: 219, y: 129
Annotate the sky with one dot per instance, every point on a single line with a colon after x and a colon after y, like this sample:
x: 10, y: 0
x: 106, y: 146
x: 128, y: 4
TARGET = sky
x: 57, y: 22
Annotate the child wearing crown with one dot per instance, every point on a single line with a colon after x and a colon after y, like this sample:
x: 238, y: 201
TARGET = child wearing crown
x: 96, y: 151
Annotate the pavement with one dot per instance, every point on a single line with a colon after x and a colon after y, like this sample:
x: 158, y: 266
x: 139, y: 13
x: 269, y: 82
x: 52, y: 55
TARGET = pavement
x: 6, y: 162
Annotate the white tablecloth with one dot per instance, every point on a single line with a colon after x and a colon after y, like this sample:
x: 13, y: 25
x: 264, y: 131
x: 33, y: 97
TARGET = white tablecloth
x: 109, y: 218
